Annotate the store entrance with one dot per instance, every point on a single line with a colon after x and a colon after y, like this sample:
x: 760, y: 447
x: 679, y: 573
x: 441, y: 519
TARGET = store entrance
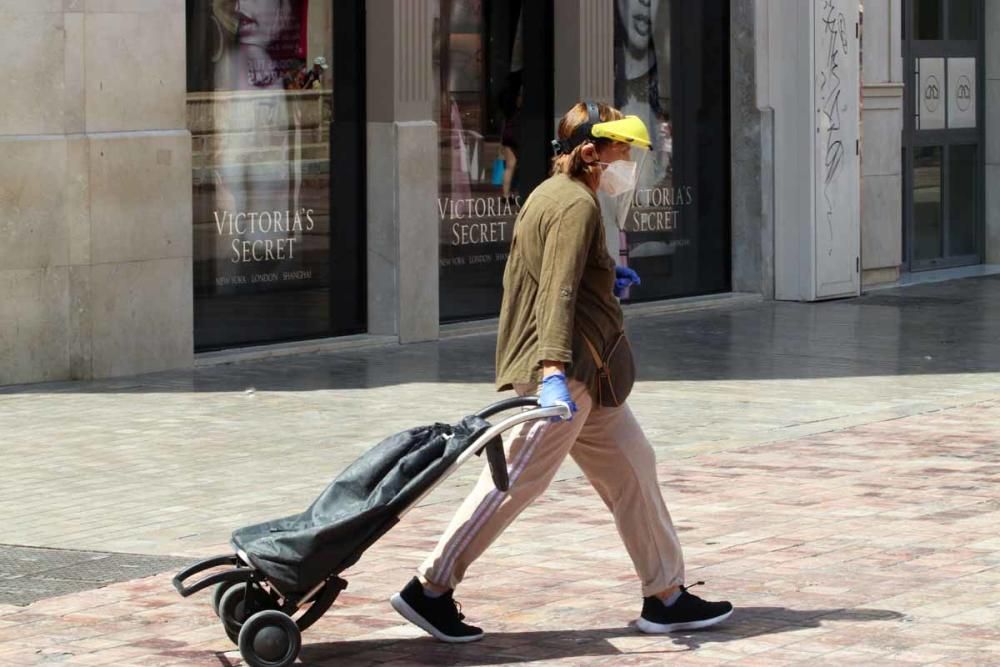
x: 942, y: 136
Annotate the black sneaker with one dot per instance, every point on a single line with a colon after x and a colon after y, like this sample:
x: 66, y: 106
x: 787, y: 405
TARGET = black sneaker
x: 689, y: 612
x: 440, y: 616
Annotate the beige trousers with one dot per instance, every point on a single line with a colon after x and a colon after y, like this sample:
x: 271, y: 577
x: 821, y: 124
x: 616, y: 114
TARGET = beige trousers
x: 609, y: 446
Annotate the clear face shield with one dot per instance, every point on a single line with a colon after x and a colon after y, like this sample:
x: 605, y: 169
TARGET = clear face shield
x: 621, y: 177
x: 619, y: 181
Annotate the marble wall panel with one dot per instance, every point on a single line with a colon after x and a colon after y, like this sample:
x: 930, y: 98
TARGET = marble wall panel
x: 136, y: 71
x: 32, y: 6
x: 881, y: 221
x: 33, y: 203
x: 419, y: 268
x: 993, y: 121
x: 32, y: 50
x: 383, y: 230
x: 134, y: 6
x: 992, y: 214
x: 80, y: 320
x: 140, y: 196
x: 34, y: 331
x: 992, y: 39
x: 876, y: 55
x: 881, y: 141
x: 141, y: 316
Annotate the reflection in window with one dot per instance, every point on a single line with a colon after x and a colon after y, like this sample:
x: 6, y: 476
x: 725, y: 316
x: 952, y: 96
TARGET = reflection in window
x: 962, y: 218
x: 676, y: 235
x: 642, y: 88
x: 259, y: 109
x: 927, y: 203
x: 478, y: 72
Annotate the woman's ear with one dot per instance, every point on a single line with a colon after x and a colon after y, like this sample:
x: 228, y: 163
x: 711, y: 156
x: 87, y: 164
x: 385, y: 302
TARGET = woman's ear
x: 589, y: 153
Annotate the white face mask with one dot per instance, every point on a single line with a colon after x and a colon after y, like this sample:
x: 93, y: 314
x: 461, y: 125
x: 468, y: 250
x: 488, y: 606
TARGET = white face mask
x: 618, y: 178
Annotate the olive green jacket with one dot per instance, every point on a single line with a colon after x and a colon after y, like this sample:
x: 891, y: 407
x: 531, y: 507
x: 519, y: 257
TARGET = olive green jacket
x: 557, y: 285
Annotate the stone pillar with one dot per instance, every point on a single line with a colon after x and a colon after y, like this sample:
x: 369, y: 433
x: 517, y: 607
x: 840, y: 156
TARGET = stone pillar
x: 752, y: 253
x: 583, y: 53
x: 402, y: 157
x: 584, y: 59
x: 95, y: 190
x: 992, y: 120
x: 881, y: 143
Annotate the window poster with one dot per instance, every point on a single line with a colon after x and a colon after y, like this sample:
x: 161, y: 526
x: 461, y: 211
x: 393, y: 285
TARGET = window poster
x: 478, y: 72
x: 672, y: 238
x: 259, y: 109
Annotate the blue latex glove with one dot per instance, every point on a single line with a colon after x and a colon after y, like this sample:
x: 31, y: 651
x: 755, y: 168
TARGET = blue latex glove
x: 553, y: 392
x: 624, y: 277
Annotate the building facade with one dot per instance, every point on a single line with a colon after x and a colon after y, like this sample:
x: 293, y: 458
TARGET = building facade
x: 206, y: 175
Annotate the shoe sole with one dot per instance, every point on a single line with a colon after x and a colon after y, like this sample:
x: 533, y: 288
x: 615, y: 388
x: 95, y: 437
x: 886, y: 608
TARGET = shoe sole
x: 410, y: 614
x: 651, y: 628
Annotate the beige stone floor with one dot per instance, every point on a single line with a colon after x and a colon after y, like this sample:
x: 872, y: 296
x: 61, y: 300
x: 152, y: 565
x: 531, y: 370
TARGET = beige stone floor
x: 873, y: 545
x: 170, y: 463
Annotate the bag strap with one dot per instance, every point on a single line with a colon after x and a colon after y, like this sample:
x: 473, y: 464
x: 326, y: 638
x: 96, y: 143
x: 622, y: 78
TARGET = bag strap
x: 593, y: 351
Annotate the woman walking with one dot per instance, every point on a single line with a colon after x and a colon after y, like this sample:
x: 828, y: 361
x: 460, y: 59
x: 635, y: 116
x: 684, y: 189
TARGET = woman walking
x: 560, y: 336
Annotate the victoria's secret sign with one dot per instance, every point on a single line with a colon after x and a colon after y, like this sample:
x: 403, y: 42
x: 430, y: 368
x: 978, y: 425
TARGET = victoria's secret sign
x: 477, y: 220
x: 658, y: 209
x: 263, y: 235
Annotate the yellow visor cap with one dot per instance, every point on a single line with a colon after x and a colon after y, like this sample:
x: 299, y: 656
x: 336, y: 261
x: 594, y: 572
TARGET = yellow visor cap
x: 629, y: 129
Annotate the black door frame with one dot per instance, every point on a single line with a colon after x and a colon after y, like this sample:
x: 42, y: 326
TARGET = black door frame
x: 348, y: 172
x: 945, y: 138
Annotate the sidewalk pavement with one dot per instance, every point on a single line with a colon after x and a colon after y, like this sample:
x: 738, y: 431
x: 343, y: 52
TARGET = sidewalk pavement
x: 832, y: 469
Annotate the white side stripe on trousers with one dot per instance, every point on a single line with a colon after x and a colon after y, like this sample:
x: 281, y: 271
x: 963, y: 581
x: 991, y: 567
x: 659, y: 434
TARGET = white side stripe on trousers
x: 488, y: 506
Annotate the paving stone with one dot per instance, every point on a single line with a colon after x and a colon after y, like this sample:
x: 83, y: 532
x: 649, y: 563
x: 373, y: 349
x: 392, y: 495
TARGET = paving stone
x: 28, y: 574
x: 834, y: 483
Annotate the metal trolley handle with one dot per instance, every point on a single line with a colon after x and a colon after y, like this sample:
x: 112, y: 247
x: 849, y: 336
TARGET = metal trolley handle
x: 491, y: 442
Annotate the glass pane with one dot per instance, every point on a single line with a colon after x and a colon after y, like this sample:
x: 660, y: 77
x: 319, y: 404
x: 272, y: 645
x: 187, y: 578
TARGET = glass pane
x: 259, y: 109
x: 479, y: 82
x: 962, y: 20
x: 927, y: 19
x: 926, y: 203
x: 650, y: 236
x: 962, y: 179
x: 676, y: 234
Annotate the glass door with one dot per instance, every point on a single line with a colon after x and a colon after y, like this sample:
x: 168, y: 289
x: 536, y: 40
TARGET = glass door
x: 943, y: 133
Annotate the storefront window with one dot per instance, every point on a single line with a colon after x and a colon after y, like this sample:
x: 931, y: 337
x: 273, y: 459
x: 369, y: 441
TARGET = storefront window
x: 676, y: 233
x: 259, y: 110
x: 478, y: 73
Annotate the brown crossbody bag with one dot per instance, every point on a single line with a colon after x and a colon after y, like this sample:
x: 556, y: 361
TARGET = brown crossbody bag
x: 615, y: 371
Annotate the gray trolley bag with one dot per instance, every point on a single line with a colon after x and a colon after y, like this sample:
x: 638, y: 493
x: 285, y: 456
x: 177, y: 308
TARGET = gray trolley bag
x: 284, y: 574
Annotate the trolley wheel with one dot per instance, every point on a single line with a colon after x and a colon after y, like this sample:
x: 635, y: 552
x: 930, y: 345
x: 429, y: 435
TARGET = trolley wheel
x: 217, y: 594
x: 232, y: 610
x: 270, y: 638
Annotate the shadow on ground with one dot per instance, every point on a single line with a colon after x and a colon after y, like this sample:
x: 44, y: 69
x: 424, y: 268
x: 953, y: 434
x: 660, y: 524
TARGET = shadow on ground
x: 500, y: 648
